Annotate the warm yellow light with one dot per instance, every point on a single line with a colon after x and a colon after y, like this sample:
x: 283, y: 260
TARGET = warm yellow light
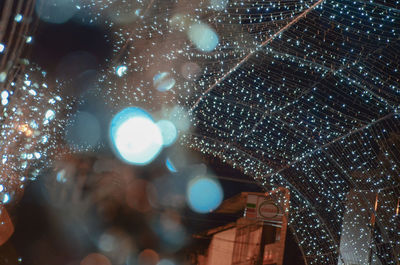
x: 25, y: 129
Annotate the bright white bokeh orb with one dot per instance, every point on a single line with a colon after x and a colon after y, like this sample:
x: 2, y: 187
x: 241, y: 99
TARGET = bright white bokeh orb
x: 135, y: 137
x: 203, y: 37
x: 204, y: 194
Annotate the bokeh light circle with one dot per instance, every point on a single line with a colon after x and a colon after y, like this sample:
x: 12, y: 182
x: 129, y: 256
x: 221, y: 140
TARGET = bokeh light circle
x: 190, y: 71
x: 163, y: 81
x: 168, y: 131
x: 165, y: 262
x: 218, y: 5
x: 204, y: 194
x: 203, y: 37
x: 135, y: 137
x: 55, y: 11
x: 170, y: 166
x: 148, y: 257
x: 95, y: 259
x: 83, y: 130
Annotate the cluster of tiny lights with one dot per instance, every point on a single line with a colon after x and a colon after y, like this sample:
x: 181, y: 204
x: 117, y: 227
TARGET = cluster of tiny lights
x: 301, y: 94
x: 29, y: 129
x: 32, y: 110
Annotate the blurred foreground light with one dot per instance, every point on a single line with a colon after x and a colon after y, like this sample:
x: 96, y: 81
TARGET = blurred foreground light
x: 83, y: 130
x: 117, y: 244
x: 49, y: 115
x: 124, y: 12
x: 168, y: 132
x: 18, y: 18
x: 170, y: 231
x: 170, y: 191
x: 6, y: 198
x: 4, y: 94
x: 165, y: 262
x: 61, y: 176
x: 139, y: 193
x: 75, y: 64
x: 179, y: 22
x: 180, y: 118
x: 170, y: 166
x: 95, y: 259
x: 163, y: 81
x: 190, y: 71
x: 135, y: 137
x: 55, y: 11
x: 204, y: 194
x: 6, y: 226
x: 107, y: 242
x: 203, y: 37
x: 121, y: 70
x: 148, y: 257
x: 218, y: 5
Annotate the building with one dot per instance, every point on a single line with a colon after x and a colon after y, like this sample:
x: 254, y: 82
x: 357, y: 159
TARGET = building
x: 256, y: 238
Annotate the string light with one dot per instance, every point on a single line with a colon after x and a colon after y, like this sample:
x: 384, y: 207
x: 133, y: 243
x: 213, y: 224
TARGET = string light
x: 299, y: 94
x: 302, y: 95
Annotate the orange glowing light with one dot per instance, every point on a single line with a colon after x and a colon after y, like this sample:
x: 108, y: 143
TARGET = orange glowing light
x: 25, y: 129
x: 95, y: 259
x: 6, y: 225
x: 148, y: 257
